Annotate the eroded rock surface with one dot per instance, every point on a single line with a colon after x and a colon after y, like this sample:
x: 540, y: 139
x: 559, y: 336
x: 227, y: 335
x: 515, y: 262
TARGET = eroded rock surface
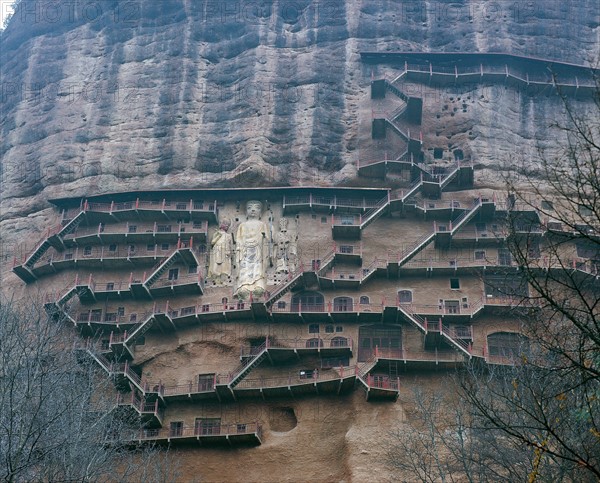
x: 107, y: 96
x: 113, y: 96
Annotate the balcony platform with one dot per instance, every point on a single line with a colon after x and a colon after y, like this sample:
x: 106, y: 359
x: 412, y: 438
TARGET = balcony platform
x: 164, y: 321
x: 382, y: 394
x: 239, y: 434
x: 469, y: 238
x: 294, y: 386
x: 150, y: 413
x: 345, y: 232
x: 188, y: 393
x: 120, y: 349
x: 348, y: 253
x: 24, y: 273
x: 107, y: 262
x: 387, y: 389
x: 293, y: 349
x: 147, y: 233
x: 143, y: 210
x: 170, y: 288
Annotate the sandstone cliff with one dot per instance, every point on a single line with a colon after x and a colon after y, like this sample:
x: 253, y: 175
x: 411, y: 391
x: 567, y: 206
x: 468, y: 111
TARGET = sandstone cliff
x: 112, y: 96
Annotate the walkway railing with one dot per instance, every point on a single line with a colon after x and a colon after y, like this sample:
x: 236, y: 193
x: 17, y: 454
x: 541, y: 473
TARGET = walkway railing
x: 309, y: 343
x: 188, y: 432
x: 420, y: 356
x: 327, y: 308
x: 284, y: 286
x: 437, y: 309
x: 403, y: 157
x: 317, y: 375
x: 135, y: 228
x: 378, y: 382
x: 159, y: 205
x: 192, y: 278
x: 500, y: 71
x: 333, y: 202
x: 376, y: 211
x: 416, y: 247
x: 464, y: 217
x: 188, y: 388
x: 348, y: 248
x: 141, y: 405
x: 102, y: 253
x: 107, y: 315
x: 451, y: 262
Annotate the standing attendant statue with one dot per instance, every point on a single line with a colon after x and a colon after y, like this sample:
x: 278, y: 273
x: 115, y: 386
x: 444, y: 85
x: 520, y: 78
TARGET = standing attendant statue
x: 251, y: 250
x: 285, y: 251
x: 221, y: 252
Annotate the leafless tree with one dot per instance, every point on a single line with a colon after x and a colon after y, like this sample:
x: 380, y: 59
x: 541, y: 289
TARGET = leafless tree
x: 441, y: 443
x: 549, y: 399
x: 534, y: 415
x: 58, y: 420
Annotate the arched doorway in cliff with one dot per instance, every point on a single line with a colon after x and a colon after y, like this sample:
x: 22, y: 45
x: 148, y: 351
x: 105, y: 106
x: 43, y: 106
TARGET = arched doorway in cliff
x: 308, y: 301
x: 387, y: 338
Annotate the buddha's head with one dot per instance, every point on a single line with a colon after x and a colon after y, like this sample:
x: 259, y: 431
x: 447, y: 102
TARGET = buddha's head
x: 225, y: 224
x: 253, y: 209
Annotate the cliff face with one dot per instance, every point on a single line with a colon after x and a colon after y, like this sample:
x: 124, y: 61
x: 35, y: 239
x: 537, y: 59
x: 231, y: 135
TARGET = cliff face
x: 114, y: 95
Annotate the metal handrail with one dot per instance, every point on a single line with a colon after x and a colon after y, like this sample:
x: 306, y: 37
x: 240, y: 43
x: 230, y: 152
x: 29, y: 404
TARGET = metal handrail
x: 141, y: 229
x: 422, y: 356
x: 420, y: 241
x: 192, y: 278
x: 295, y: 379
x: 378, y: 206
x: 187, y: 432
x: 338, y: 342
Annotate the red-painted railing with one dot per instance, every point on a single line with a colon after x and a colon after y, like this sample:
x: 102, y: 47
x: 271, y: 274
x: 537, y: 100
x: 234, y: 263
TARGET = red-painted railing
x: 189, y: 279
x: 296, y: 379
x: 49, y: 232
x: 422, y: 321
x: 142, y: 406
x: 200, y: 431
x: 379, y: 382
x: 102, y: 252
x: 418, y: 244
x: 309, y: 343
x: 379, y: 206
x: 159, y: 205
x: 435, y: 355
x: 139, y: 229
x: 346, y: 220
